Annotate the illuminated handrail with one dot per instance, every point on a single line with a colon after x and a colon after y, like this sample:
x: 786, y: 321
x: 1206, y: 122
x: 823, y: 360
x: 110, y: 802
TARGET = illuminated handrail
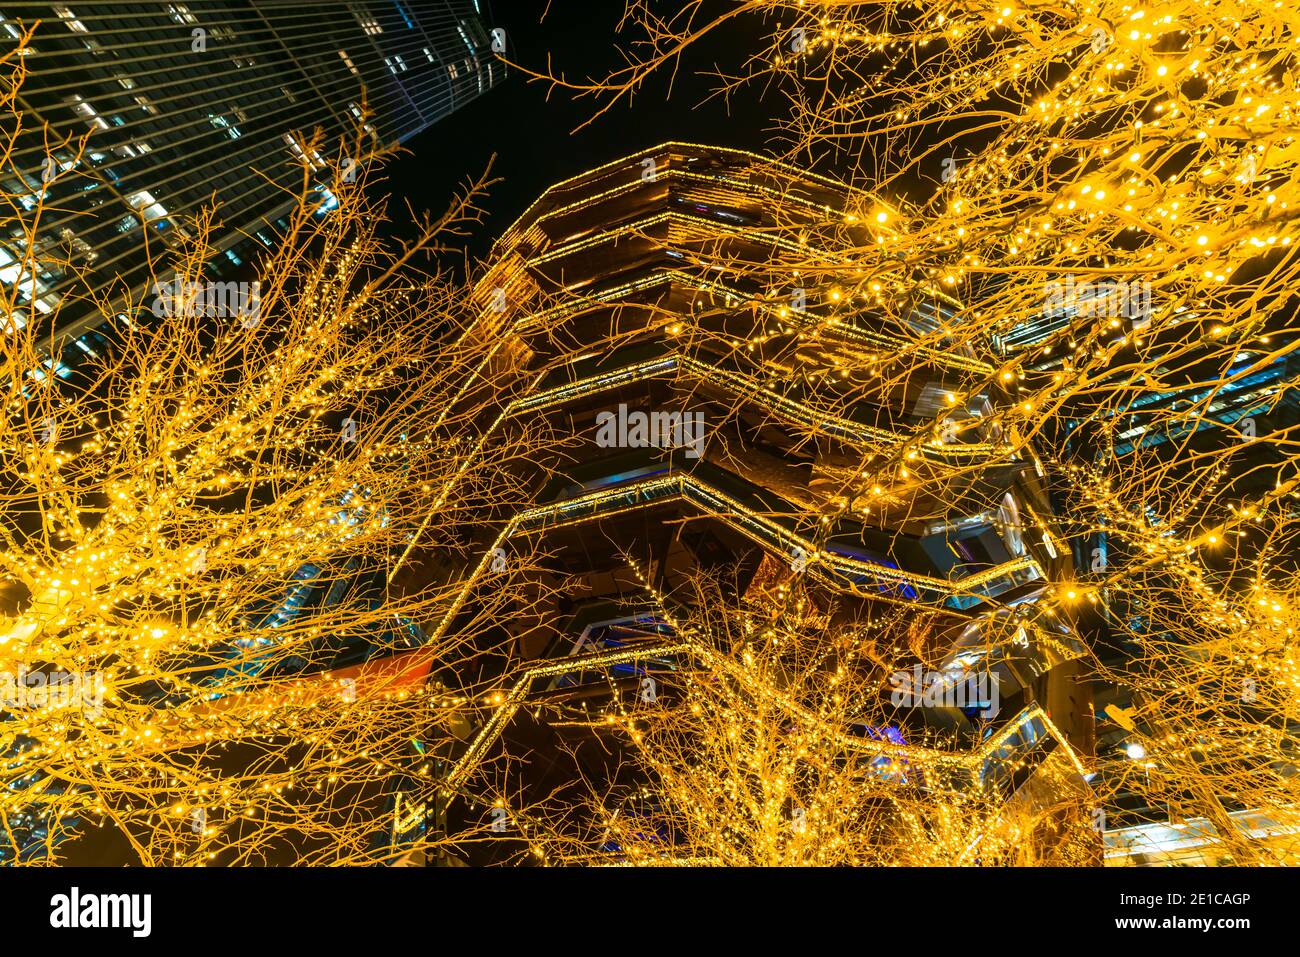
x: 766, y: 163
x: 794, y: 410
x: 969, y: 764
x: 840, y: 571
x: 694, y: 488
x: 798, y: 412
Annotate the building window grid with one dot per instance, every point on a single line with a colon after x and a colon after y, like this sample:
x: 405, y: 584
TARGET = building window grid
x: 399, y: 66
x: 142, y: 102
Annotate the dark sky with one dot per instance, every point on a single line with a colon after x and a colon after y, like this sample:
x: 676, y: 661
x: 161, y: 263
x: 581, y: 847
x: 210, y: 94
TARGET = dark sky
x: 532, y: 136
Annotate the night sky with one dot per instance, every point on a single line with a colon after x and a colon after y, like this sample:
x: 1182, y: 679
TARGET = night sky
x: 532, y: 136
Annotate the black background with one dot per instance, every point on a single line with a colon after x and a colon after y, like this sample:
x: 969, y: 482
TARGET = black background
x: 533, y: 136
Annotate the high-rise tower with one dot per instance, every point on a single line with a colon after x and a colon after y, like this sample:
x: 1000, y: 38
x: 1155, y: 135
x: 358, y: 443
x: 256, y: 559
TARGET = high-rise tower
x: 183, y: 105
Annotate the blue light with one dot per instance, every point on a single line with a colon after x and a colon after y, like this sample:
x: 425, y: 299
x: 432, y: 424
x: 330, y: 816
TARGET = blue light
x: 329, y: 201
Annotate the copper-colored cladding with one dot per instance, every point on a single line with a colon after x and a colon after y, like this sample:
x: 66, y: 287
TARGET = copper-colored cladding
x: 649, y: 283
x: 662, y: 281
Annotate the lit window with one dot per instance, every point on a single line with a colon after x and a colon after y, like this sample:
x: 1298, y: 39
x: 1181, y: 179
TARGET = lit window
x: 58, y: 368
x: 328, y: 200
x: 428, y: 55
x: 369, y: 24
x: 356, y: 111
x: 465, y: 37
x: 400, y: 62
x: 77, y: 246
x: 348, y: 60
x: 221, y: 123
x: 70, y: 18
x: 85, y: 110
x: 314, y: 160
x: 144, y: 203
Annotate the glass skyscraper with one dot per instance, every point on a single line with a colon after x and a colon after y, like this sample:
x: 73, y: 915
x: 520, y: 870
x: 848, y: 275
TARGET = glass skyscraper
x: 185, y: 105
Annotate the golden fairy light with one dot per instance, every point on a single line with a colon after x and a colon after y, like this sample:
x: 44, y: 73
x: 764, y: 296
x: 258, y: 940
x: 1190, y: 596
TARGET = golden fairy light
x: 205, y: 656
x: 1106, y: 191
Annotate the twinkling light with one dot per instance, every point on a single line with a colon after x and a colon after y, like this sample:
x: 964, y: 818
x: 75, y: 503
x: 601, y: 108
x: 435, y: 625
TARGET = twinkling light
x: 203, y: 659
x: 1108, y: 190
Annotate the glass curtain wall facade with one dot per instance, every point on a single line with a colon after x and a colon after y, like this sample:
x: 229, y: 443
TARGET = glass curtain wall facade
x: 182, y: 105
